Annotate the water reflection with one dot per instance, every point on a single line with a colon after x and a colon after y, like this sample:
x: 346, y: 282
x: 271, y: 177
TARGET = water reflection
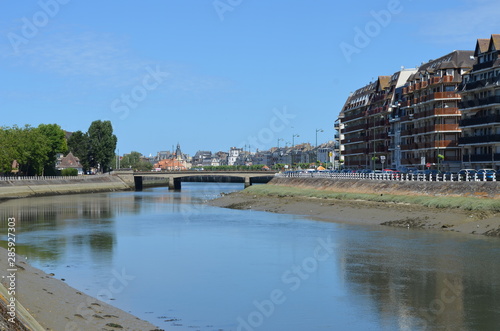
x: 185, y: 256
x: 422, y: 280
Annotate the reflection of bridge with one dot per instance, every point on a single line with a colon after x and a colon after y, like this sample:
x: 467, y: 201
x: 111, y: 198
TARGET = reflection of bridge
x: 176, y: 177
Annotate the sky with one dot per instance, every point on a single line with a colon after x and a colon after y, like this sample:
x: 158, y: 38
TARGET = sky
x: 215, y: 74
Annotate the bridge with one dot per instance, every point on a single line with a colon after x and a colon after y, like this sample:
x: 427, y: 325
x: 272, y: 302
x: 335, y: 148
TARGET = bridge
x: 175, y: 178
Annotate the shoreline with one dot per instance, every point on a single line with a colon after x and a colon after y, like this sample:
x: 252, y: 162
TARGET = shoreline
x: 57, y: 306
x: 363, y: 212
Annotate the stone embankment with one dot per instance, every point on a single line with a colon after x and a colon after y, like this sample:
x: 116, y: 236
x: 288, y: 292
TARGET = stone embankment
x: 464, y: 189
x: 21, y: 188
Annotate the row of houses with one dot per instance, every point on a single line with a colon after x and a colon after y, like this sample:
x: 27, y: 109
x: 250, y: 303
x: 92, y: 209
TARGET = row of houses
x: 290, y: 155
x: 444, y: 114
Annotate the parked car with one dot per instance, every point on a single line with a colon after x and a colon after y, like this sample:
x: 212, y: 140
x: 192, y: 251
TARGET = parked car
x: 466, y: 174
x: 392, y: 172
x: 486, y: 174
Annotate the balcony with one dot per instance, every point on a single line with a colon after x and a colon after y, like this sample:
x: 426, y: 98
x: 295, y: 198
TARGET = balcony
x: 492, y: 119
x: 479, y: 139
x: 481, y: 157
x: 378, y: 98
x: 424, y: 84
x: 352, y: 128
x: 437, y: 144
x: 380, y: 136
x: 443, y: 127
x: 445, y: 111
x: 447, y: 79
x: 407, y: 132
x: 437, y: 112
x: 354, y: 140
x: 483, y: 65
x: 352, y: 116
x: 357, y: 151
x: 479, y: 102
x: 445, y: 95
x: 435, y: 80
x: 408, y: 147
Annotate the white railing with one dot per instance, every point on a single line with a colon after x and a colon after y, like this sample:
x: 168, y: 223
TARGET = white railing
x: 390, y: 176
x: 16, y: 178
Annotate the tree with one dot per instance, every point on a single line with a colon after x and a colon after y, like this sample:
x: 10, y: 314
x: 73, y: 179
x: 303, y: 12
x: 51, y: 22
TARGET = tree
x: 8, y: 152
x: 102, y: 144
x: 134, y: 161
x: 56, y: 139
x: 78, y: 144
x: 31, y: 149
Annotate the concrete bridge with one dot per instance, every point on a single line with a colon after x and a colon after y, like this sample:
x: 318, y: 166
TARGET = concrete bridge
x: 175, y: 178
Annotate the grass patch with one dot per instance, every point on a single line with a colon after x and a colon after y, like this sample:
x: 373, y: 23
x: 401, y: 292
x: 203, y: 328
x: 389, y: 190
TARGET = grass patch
x: 465, y: 203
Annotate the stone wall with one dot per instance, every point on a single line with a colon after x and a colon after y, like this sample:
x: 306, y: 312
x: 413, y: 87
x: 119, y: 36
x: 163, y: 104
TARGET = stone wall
x: 66, y: 185
x: 480, y: 189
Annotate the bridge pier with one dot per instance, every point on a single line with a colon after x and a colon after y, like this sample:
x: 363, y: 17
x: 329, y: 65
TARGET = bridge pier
x: 138, y: 183
x: 174, y: 183
x: 248, y: 182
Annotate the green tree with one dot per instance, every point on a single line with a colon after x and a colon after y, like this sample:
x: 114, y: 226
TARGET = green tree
x: 78, y: 144
x: 134, y: 160
x: 32, y: 149
x: 8, y: 151
x: 102, y: 144
x: 56, y: 139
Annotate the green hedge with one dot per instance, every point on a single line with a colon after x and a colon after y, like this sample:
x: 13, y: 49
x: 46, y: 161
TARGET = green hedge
x: 69, y: 172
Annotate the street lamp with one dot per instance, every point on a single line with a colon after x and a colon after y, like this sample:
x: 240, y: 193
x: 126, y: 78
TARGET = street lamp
x: 293, y: 139
x: 318, y: 130
x: 279, y: 139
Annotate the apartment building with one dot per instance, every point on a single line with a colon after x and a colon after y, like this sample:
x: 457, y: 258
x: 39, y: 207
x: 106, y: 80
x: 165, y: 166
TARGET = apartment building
x: 480, y: 107
x: 398, y: 80
x: 353, y: 121
x: 367, y: 124
x: 430, y: 115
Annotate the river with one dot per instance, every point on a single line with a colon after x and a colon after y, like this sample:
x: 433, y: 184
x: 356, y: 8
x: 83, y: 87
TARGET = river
x: 168, y: 258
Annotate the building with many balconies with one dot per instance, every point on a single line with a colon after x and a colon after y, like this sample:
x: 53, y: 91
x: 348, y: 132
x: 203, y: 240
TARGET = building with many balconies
x: 480, y: 107
x: 429, y: 113
x: 355, y: 152
x: 366, y: 123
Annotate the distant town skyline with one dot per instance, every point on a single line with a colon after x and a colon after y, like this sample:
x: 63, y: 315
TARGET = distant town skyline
x: 213, y: 76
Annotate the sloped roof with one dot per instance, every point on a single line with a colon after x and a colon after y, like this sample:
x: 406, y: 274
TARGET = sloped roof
x: 494, y: 42
x: 69, y: 161
x: 481, y: 46
x: 455, y: 59
x: 384, y: 81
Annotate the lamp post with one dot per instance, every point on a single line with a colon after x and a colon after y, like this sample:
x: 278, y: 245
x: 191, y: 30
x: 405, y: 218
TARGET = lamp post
x: 317, y: 130
x: 293, y: 139
x: 279, y: 139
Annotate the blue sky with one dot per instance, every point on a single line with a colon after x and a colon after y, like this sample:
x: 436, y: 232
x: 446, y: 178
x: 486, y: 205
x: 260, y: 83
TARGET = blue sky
x: 215, y: 74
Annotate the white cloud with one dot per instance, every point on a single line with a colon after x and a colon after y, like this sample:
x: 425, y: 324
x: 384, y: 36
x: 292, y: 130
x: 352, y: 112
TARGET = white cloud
x: 461, y: 23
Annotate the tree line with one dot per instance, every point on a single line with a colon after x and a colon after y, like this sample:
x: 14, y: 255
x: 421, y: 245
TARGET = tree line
x: 33, y: 150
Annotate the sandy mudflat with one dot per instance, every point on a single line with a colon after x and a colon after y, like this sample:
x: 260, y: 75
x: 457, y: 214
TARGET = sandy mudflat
x: 366, y: 212
x: 59, y: 307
